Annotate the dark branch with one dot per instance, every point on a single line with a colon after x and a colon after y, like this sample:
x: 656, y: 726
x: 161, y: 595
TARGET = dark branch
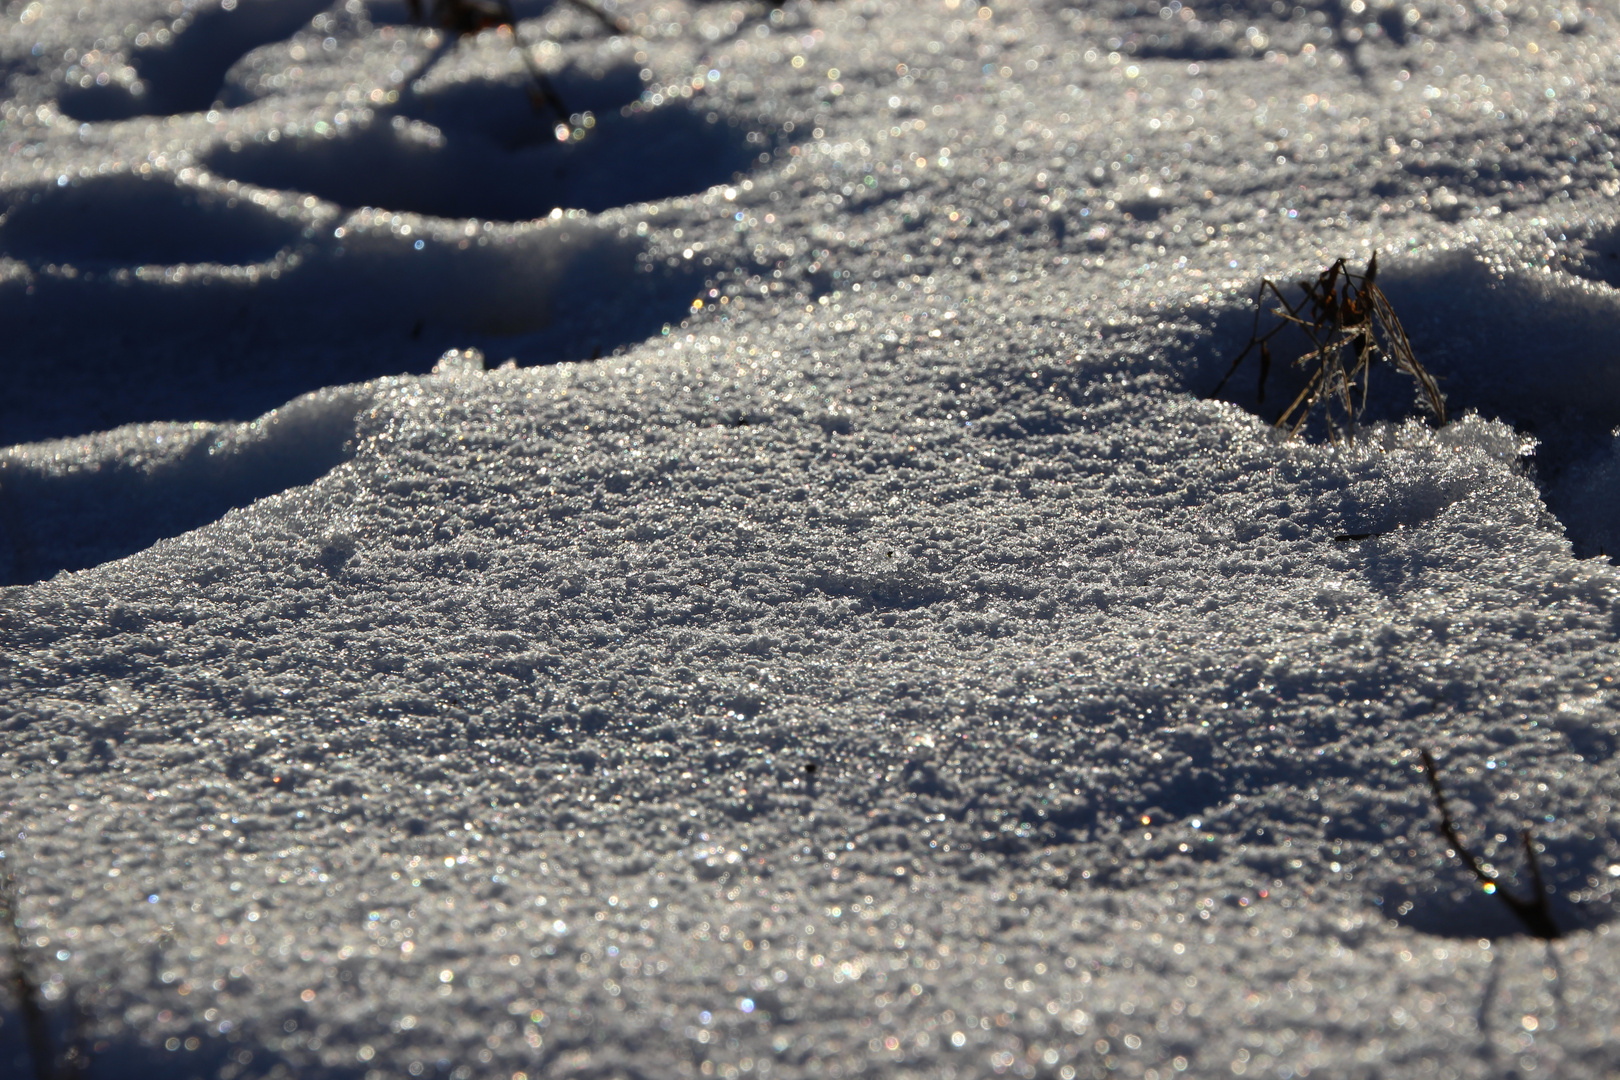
x: 1534, y: 913
x: 1350, y: 326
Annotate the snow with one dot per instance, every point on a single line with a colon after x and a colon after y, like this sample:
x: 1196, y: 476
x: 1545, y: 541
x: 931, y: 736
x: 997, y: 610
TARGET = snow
x: 844, y: 639
x: 75, y: 503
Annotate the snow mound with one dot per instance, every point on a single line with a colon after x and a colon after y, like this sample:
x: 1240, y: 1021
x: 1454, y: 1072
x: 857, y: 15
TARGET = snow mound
x: 417, y: 166
x: 847, y: 641
x: 131, y: 221
x: 1526, y: 346
x: 346, y: 298
x: 181, y: 66
x: 74, y: 503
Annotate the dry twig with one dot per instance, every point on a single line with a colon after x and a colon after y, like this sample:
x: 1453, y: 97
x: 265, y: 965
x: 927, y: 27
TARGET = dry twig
x: 471, y: 16
x: 1534, y: 912
x: 464, y: 17
x: 1350, y: 326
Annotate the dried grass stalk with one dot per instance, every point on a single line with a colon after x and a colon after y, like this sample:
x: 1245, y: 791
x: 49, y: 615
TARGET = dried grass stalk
x: 1350, y: 326
x: 1533, y: 911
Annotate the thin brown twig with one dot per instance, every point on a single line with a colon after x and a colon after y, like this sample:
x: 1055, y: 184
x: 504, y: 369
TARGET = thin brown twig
x: 544, y: 92
x: 1534, y: 913
x: 464, y: 17
x: 1350, y: 325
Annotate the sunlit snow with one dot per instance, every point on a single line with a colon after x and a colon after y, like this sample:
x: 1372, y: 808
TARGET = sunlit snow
x: 719, y: 559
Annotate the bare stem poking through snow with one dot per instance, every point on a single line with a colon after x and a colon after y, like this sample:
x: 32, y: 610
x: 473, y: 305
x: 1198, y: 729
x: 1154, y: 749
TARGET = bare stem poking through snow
x: 464, y: 17
x: 1351, y: 326
x: 1534, y: 912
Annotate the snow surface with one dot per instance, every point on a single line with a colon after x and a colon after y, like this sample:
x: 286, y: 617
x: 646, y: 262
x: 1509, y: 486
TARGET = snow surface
x: 457, y: 718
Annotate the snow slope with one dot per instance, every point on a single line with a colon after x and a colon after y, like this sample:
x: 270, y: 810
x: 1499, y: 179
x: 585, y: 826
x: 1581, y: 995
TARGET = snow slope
x: 845, y: 641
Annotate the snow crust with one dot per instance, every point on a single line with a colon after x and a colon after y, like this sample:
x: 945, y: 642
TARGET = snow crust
x: 845, y: 639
